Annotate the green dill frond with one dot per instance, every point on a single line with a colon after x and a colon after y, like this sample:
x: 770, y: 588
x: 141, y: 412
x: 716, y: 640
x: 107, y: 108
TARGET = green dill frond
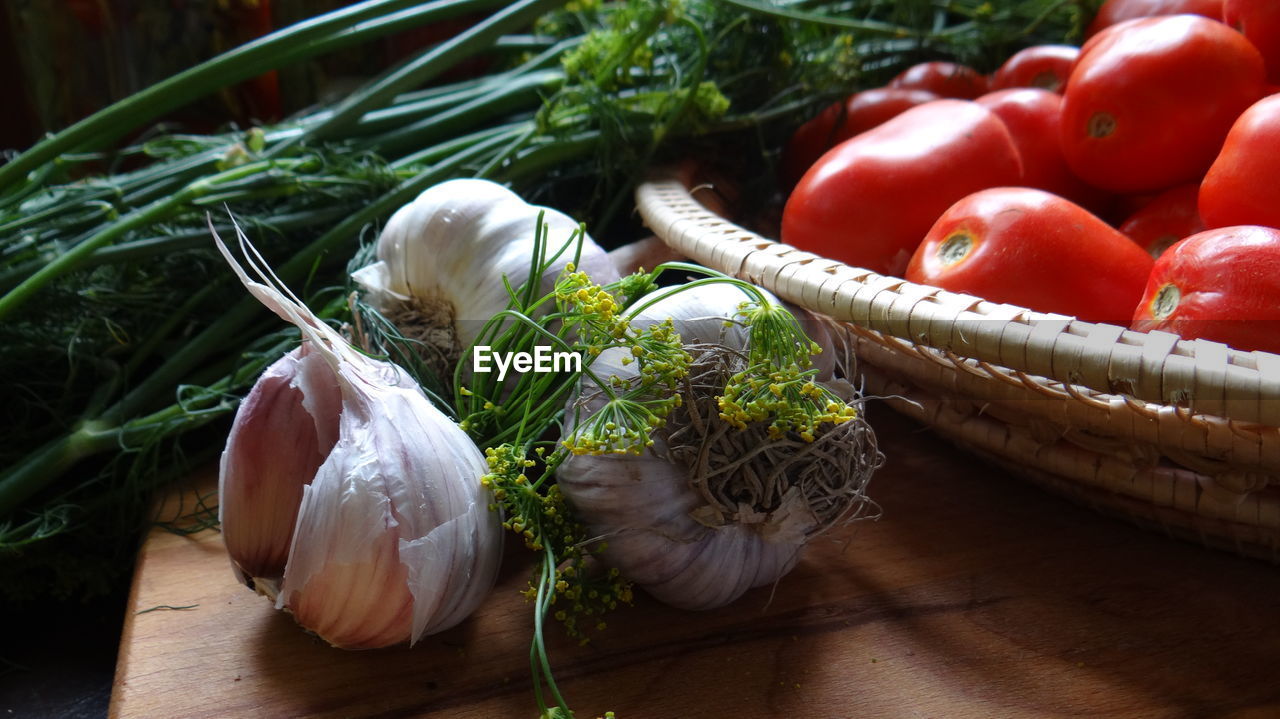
x: 575, y: 587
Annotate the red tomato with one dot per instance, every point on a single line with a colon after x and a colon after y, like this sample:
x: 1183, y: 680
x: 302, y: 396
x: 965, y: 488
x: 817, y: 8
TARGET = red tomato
x: 1030, y: 248
x: 1150, y: 101
x: 870, y: 199
x: 1259, y: 20
x: 1243, y: 185
x: 1169, y: 217
x: 1114, y: 12
x: 944, y: 79
x: 1032, y: 116
x: 1222, y: 285
x: 1042, y: 66
x: 842, y: 120
x: 871, y: 108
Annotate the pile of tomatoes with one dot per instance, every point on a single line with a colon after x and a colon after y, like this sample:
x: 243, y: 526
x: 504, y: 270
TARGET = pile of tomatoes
x: 1134, y: 179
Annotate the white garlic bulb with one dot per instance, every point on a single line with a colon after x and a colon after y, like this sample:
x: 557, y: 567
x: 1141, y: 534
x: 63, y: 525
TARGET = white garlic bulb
x: 704, y: 313
x: 697, y: 523
x: 448, y: 251
x: 340, y: 463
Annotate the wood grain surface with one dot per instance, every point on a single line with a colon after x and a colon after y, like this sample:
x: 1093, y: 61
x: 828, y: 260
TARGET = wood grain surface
x: 974, y: 596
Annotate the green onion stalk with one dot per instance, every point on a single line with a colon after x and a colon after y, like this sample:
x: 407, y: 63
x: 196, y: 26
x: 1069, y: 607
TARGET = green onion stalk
x: 127, y: 343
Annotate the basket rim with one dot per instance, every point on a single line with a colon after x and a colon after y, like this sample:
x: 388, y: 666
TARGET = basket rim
x: 1204, y: 376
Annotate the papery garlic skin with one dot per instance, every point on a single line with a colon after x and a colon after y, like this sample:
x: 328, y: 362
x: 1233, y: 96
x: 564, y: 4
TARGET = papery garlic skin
x: 643, y: 506
x: 701, y: 314
x: 393, y: 537
x: 458, y: 239
x: 283, y: 430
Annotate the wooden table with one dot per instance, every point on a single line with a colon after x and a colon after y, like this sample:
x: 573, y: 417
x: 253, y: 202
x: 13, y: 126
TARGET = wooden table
x: 974, y: 596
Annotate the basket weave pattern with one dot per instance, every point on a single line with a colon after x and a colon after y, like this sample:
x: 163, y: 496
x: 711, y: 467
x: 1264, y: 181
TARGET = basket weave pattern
x: 1175, y: 434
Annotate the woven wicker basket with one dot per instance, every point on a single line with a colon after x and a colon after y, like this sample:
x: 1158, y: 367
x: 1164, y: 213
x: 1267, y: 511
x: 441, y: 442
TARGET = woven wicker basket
x: 1173, y: 434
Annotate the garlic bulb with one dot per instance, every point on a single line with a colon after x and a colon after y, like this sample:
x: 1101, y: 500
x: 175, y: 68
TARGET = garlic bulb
x: 442, y: 257
x: 701, y: 314
x: 284, y: 429
x: 643, y: 254
x: 339, y: 465
x: 708, y: 512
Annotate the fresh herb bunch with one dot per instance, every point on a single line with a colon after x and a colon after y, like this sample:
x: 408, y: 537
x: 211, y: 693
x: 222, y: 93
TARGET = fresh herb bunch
x: 779, y: 385
x: 531, y: 422
x: 121, y: 337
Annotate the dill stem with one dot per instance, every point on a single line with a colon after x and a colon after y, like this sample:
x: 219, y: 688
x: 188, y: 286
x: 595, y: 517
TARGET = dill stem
x: 133, y: 250
x: 72, y: 258
x: 149, y: 246
x: 163, y: 178
x: 50, y: 460
x: 547, y: 155
x: 113, y: 429
x: 38, y: 469
x: 290, y: 44
x: 484, y: 100
x: 224, y: 331
x: 427, y: 66
x: 393, y: 116
x: 540, y: 660
x: 516, y: 94
x: 424, y: 104
x: 151, y: 343
x: 118, y: 192
x: 870, y: 27
x: 710, y: 277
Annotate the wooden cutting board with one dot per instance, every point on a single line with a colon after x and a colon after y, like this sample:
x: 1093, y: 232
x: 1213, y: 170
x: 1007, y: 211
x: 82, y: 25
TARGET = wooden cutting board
x: 973, y: 596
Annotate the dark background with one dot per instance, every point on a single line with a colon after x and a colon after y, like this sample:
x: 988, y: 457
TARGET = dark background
x: 57, y: 659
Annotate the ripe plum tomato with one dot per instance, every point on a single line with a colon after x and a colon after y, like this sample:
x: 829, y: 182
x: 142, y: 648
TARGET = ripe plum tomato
x: 1242, y: 187
x: 1150, y: 101
x: 1034, y: 249
x: 1113, y: 12
x: 1259, y: 20
x: 1042, y: 66
x: 840, y: 121
x: 1169, y: 217
x: 944, y: 79
x: 1033, y: 117
x: 869, y: 200
x: 1221, y: 284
